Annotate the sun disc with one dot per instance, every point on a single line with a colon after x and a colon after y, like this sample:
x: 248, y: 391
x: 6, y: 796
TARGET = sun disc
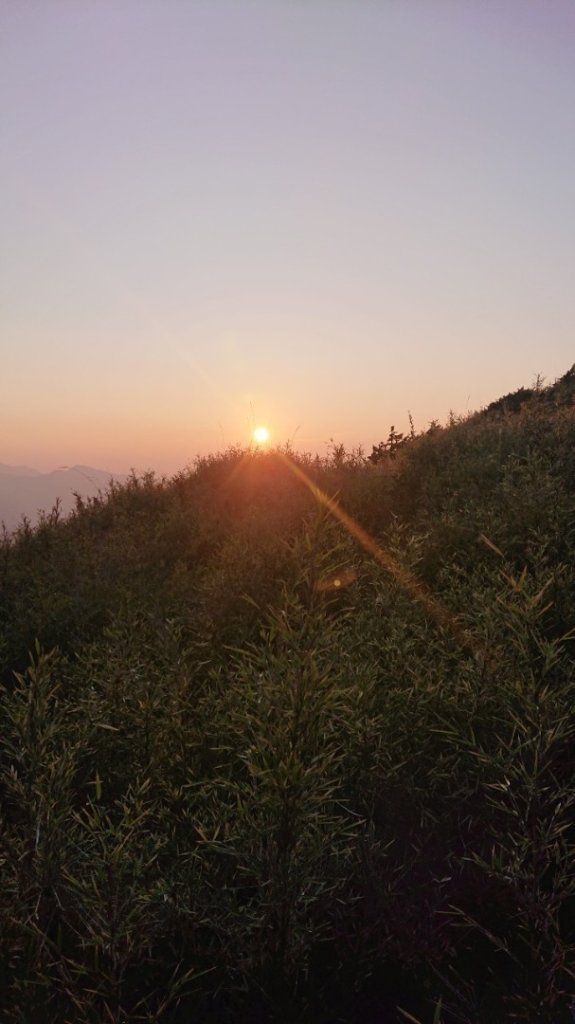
x: 261, y: 435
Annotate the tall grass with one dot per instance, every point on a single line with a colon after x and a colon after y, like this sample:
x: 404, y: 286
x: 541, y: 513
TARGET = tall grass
x: 244, y: 773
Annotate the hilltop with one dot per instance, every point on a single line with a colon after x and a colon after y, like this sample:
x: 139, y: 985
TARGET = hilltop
x: 561, y: 393
x: 291, y: 737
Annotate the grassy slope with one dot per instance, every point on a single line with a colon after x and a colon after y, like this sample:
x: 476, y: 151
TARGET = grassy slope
x: 248, y: 775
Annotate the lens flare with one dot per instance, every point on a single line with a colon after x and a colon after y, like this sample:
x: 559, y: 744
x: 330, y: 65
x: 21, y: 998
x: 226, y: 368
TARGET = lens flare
x: 414, y: 587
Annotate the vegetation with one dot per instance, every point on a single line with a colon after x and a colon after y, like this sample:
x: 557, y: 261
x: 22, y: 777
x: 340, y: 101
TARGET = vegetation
x: 263, y: 759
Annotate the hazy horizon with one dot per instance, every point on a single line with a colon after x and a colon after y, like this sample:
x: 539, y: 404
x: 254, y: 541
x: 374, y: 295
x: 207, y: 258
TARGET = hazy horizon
x: 316, y: 217
x: 324, y: 448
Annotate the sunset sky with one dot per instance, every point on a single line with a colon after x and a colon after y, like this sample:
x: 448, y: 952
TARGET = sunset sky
x: 315, y: 215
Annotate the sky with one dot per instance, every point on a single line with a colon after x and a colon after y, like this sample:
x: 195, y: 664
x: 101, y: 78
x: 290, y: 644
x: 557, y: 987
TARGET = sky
x: 319, y: 215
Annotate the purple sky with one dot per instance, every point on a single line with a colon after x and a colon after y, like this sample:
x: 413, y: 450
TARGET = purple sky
x: 317, y: 215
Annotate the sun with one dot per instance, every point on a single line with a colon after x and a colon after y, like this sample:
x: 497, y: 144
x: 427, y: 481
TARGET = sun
x: 261, y: 435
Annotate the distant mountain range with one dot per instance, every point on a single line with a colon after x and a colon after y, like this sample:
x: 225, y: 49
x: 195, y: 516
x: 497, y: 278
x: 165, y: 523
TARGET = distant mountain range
x: 27, y: 492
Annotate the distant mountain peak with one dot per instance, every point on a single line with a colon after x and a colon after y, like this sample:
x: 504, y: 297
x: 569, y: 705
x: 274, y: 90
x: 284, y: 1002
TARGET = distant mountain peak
x: 24, y: 491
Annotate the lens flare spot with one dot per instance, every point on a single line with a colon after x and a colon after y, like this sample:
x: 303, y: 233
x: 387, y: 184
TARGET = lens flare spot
x: 336, y: 581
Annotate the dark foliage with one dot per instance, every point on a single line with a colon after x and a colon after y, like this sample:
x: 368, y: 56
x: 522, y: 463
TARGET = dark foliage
x: 256, y: 766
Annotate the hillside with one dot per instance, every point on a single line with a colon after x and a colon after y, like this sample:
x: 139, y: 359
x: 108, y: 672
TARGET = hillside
x: 292, y: 738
